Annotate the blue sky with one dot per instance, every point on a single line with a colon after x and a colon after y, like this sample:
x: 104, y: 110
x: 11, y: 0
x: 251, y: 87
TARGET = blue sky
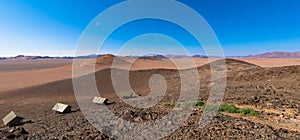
x: 53, y: 27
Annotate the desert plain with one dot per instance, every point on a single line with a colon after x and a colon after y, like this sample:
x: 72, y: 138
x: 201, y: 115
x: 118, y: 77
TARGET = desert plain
x: 268, y: 86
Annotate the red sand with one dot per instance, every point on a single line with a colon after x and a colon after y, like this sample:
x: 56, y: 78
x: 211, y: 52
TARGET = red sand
x: 22, y: 79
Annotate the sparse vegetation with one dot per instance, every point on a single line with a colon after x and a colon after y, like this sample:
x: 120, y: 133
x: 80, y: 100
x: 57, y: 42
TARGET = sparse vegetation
x: 220, y: 115
x: 230, y: 108
x: 197, y: 102
x: 171, y: 104
x: 248, y: 112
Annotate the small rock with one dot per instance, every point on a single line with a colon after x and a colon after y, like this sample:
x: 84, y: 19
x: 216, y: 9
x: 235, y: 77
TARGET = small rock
x: 128, y: 112
x: 138, y: 119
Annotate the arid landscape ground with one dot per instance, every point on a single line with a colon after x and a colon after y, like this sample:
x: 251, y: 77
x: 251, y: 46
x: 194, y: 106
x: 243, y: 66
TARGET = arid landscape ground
x: 268, y: 86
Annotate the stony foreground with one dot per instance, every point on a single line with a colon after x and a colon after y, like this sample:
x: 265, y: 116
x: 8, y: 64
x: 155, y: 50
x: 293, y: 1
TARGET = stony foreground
x: 74, y: 126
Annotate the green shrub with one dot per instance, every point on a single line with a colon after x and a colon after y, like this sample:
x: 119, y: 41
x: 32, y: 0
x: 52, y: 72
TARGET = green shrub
x: 171, y: 104
x: 229, y: 108
x: 198, y: 102
x: 248, y: 112
x: 220, y: 115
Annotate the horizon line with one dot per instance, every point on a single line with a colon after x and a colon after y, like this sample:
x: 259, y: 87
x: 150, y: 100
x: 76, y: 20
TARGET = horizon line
x: 91, y: 55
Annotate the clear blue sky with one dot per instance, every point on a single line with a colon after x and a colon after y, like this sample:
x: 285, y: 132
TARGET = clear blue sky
x: 53, y: 27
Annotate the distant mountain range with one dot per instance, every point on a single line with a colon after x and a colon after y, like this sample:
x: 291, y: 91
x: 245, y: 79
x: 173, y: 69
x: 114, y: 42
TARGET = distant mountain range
x: 276, y: 55
x: 25, y: 57
x: 157, y: 56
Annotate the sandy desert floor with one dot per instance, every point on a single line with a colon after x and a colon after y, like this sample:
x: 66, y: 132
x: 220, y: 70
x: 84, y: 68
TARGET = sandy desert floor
x: 27, y: 65
x: 273, y: 62
x: 26, y: 73
x: 271, y: 87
